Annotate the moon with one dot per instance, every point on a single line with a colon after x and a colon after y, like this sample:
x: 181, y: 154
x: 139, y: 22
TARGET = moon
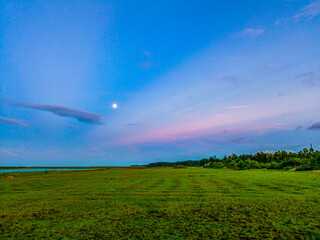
x: 114, y: 106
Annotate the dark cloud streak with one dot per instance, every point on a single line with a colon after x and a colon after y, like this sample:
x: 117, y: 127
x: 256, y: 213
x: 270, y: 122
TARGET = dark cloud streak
x: 13, y: 122
x: 315, y: 126
x: 82, y: 116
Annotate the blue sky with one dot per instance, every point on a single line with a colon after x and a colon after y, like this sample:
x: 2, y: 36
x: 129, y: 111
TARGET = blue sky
x: 190, y: 79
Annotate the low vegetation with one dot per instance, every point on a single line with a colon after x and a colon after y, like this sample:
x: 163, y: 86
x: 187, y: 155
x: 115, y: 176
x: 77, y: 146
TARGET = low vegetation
x: 308, y: 159
x: 160, y: 203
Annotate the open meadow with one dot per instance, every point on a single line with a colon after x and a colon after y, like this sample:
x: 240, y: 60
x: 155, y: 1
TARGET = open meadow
x: 160, y: 203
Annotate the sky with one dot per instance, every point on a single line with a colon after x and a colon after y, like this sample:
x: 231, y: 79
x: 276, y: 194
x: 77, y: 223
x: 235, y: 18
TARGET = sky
x: 119, y: 83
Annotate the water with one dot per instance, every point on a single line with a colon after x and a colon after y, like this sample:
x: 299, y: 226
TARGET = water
x: 40, y: 169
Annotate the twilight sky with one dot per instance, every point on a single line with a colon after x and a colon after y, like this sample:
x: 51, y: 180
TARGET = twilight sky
x: 190, y: 79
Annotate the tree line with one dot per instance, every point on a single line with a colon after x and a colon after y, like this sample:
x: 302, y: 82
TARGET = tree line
x: 307, y: 159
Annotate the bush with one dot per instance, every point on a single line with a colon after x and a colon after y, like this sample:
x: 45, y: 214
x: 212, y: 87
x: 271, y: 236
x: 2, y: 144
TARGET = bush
x: 179, y: 166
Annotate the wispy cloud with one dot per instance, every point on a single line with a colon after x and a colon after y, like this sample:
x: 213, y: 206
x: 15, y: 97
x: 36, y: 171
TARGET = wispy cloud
x: 74, y: 127
x: 241, y: 140
x: 145, y: 65
x: 63, y: 111
x: 315, y: 126
x: 267, y: 67
x: 252, y: 32
x: 236, y: 107
x: 230, y: 79
x: 13, y: 122
x: 52, y: 153
x: 130, y: 124
x: 308, y: 12
x: 309, y: 79
x: 5, y: 152
x: 148, y: 54
x: 271, y: 66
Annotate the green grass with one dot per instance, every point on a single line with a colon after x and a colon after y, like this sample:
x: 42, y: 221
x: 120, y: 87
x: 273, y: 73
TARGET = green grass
x: 160, y: 203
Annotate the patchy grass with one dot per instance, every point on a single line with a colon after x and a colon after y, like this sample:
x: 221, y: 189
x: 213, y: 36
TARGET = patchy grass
x: 160, y: 203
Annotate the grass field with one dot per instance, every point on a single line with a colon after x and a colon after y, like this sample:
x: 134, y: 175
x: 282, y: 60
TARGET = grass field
x: 160, y: 203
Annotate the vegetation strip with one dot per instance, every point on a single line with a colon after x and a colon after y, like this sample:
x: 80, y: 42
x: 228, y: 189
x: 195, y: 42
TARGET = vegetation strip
x: 160, y: 203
